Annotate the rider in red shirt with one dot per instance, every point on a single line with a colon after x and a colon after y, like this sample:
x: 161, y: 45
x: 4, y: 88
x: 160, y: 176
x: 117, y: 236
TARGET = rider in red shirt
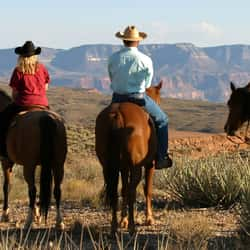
x: 30, y: 88
x: 29, y: 82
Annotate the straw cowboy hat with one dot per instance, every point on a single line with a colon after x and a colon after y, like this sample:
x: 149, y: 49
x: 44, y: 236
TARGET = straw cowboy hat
x: 28, y: 49
x: 131, y: 34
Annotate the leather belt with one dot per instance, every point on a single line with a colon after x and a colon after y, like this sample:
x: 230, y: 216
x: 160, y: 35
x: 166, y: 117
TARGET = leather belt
x: 130, y: 95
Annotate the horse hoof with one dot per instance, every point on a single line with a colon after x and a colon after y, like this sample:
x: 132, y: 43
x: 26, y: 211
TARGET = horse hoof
x: 113, y: 234
x: 17, y: 224
x: 132, y: 230
x: 150, y: 221
x: 38, y: 219
x: 28, y: 226
x: 124, y: 223
x: 60, y: 226
x: 5, y: 218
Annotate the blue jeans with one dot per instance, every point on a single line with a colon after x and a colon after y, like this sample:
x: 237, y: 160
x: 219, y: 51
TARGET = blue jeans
x: 159, y: 117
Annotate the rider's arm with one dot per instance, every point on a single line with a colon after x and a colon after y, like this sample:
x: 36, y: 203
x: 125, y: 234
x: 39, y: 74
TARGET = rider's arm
x: 109, y: 70
x: 46, y: 76
x: 14, y: 93
x: 14, y: 83
x: 150, y: 72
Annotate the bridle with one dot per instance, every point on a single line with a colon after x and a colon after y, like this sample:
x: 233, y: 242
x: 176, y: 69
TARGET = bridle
x: 242, y: 140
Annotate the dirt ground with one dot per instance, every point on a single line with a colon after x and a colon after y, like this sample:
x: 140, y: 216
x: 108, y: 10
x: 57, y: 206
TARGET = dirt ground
x: 80, y: 219
x: 225, y: 224
x: 195, y: 144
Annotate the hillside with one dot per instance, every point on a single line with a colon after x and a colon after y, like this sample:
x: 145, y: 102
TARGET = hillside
x: 80, y: 107
x: 189, y: 72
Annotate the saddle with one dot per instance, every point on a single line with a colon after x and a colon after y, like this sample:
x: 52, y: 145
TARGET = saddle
x: 24, y: 110
x: 114, y: 107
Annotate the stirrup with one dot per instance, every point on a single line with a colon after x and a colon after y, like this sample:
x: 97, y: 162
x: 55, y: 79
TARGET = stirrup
x: 5, y: 159
x: 167, y: 162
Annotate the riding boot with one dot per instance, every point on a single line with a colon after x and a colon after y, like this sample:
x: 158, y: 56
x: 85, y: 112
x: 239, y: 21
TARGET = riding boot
x: 163, y: 160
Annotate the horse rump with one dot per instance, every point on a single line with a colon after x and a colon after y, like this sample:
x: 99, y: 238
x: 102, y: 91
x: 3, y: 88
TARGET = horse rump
x: 108, y: 141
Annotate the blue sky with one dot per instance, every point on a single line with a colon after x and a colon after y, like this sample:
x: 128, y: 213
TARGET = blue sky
x: 70, y: 23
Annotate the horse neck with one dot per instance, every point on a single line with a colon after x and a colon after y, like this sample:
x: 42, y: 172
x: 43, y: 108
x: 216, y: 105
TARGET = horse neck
x: 248, y: 106
x: 151, y: 95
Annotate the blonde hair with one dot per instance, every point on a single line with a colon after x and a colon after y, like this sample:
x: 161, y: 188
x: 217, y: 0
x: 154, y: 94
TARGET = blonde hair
x: 27, y: 65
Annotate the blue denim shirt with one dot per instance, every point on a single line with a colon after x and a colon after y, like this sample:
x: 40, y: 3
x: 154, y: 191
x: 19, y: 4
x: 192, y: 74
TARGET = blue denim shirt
x: 130, y: 71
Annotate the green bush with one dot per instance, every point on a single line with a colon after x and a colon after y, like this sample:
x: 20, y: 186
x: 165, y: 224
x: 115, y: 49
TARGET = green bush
x: 214, y: 181
x: 245, y: 203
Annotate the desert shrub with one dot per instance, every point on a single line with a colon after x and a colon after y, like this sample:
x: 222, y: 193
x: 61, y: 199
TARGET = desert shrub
x: 214, y: 181
x: 244, y: 210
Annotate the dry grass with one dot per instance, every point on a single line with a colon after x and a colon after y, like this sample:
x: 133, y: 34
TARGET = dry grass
x: 192, y: 231
x: 78, y: 107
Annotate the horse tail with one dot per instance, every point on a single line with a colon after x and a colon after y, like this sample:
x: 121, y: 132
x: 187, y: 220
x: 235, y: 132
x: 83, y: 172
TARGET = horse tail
x: 111, y: 173
x: 47, y: 143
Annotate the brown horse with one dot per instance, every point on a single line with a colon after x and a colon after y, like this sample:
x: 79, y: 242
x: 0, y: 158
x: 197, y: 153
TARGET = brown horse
x: 125, y: 142
x: 34, y: 138
x: 239, y: 108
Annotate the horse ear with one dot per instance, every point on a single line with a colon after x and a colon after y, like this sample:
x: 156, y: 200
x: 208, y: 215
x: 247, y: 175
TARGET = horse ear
x: 232, y: 86
x: 248, y: 86
x: 159, y: 86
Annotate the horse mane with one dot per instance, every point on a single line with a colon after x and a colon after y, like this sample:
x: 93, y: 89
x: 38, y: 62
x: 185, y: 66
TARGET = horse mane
x: 5, y: 95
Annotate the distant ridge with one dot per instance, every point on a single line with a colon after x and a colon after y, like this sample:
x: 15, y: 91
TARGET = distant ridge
x: 189, y: 72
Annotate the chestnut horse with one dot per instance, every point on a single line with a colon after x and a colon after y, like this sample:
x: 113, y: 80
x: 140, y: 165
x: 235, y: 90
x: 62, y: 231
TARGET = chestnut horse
x: 125, y: 142
x: 34, y: 138
x: 239, y: 109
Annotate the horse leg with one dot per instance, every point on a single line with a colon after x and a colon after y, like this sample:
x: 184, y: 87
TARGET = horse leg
x: 114, y: 222
x: 29, y: 176
x: 149, y: 172
x: 37, y: 214
x: 124, y: 214
x: 58, y: 177
x: 7, y: 170
x: 111, y: 180
x: 135, y: 177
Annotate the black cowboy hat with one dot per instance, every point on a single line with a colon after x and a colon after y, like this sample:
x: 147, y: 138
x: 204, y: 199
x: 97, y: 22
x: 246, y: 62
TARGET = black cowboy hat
x: 28, y: 49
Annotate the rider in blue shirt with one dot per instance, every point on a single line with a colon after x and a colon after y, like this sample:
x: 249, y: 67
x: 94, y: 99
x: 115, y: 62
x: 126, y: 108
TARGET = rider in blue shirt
x: 131, y: 72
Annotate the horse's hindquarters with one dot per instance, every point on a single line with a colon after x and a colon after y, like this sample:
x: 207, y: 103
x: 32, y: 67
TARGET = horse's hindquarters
x: 130, y: 127
x: 24, y: 138
x: 138, y: 134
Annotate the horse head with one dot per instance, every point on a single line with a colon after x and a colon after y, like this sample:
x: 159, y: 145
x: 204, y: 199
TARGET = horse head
x: 5, y: 100
x: 239, y: 108
x: 154, y: 92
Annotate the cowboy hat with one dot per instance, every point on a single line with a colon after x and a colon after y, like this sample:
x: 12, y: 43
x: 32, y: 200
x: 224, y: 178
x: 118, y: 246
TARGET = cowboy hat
x: 131, y: 34
x: 28, y: 49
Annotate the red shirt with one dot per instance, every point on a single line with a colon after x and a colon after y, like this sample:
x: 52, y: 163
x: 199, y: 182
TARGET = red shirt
x: 31, y: 88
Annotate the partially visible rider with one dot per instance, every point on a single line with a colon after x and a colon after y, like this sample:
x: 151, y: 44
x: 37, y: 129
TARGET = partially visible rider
x: 29, y: 83
x: 131, y: 72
